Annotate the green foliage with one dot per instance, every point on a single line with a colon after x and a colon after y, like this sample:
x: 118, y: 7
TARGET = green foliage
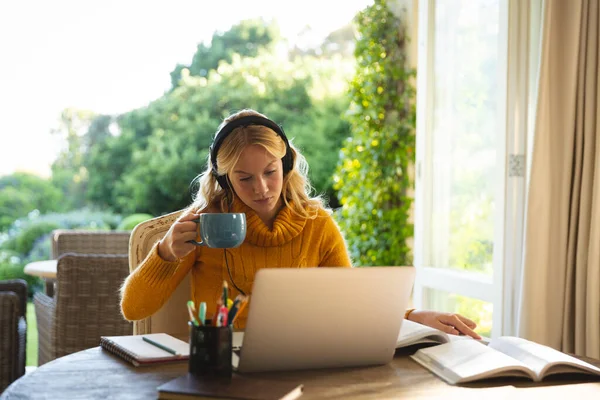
x: 132, y: 220
x: 245, y: 39
x: 373, y: 176
x: 22, y: 193
x: 32, y: 336
x: 25, y: 241
x: 24, y: 233
x: 11, y: 267
x: 68, y: 171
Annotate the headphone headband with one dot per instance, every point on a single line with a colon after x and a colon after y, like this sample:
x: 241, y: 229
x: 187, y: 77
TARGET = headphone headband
x: 287, y: 159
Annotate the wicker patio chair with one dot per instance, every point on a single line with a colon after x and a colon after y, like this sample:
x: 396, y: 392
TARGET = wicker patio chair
x: 89, y: 242
x: 85, y: 306
x: 13, y: 330
x: 172, y: 317
x: 86, y: 242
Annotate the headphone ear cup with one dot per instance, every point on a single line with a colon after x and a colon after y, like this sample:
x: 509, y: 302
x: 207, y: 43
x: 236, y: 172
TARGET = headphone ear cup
x: 287, y: 161
x: 222, y: 179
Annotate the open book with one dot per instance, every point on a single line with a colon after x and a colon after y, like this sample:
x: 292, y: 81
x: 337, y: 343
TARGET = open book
x: 468, y: 360
x: 414, y: 333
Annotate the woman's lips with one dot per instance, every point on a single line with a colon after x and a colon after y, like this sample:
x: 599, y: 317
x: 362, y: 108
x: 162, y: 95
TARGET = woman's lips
x: 263, y: 201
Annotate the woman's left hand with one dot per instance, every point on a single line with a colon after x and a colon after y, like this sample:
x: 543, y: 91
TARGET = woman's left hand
x: 454, y: 324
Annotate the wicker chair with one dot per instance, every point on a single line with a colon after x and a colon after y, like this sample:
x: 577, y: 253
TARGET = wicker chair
x: 85, y: 306
x: 86, y: 242
x: 89, y: 242
x: 172, y: 317
x: 13, y: 330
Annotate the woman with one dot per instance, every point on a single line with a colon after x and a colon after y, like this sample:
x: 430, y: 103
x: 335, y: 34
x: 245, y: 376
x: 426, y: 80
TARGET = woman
x: 252, y: 169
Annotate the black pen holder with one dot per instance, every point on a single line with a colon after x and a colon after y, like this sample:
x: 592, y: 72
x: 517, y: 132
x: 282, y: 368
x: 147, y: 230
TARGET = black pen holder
x: 210, y: 350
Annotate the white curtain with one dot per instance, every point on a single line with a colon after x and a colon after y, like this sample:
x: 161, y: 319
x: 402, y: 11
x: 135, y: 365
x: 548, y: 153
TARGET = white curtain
x: 560, y: 292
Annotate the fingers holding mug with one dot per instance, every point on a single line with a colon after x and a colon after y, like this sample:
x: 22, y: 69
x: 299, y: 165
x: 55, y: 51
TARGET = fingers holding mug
x: 175, y: 244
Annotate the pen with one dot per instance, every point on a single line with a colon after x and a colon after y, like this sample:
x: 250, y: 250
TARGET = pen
x: 234, y: 308
x: 160, y: 346
x: 223, y: 316
x: 240, y: 309
x: 216, y: 314
x: 225, y: 293
x: 191, y: 309
x: 202, y: 313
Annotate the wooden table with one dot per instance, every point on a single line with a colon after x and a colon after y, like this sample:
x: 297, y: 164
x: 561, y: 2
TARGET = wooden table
x: 96, y: 374
x: 44, y: 269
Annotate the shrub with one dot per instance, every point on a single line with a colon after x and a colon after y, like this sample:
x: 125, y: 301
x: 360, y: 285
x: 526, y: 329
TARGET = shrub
x: 11, y: 267
x: 132, y: 220
x: 373, y: 180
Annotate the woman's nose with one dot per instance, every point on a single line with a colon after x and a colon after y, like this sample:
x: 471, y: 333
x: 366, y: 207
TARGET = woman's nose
x: 261, y: 186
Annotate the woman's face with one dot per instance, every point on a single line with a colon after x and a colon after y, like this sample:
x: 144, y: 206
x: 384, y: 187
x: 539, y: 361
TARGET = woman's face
x: 257, y: 179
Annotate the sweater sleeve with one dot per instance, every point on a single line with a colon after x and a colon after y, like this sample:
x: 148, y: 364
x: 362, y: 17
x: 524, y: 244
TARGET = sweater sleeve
x: 151, y: 284
x: 334, y: 252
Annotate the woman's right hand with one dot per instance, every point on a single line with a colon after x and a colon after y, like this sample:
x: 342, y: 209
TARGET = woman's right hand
x: 175, y: 243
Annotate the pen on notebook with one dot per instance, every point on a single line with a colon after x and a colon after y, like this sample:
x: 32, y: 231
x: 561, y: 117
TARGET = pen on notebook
x: 160, y: 346
x: 191, y: 310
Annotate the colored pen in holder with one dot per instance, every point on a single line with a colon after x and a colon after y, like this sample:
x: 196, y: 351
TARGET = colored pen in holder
x: 210, y: 350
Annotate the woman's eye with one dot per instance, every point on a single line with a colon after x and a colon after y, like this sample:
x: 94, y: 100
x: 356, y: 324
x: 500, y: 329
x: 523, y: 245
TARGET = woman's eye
x: 245, y: 179
x: 270, y: 172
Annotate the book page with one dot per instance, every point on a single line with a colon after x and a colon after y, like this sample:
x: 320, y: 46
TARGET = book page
x: 468, y: 360
x: 413, y: 333
x: 541, y: 358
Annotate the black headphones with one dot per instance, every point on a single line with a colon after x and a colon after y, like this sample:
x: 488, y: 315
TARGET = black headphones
x: 287, y: 160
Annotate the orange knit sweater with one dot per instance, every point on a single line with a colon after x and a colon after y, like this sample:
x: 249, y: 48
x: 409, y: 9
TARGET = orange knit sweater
x: 293, y: 242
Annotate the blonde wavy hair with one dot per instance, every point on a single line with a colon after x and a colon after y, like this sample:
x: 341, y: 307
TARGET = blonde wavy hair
x: 296, y: 190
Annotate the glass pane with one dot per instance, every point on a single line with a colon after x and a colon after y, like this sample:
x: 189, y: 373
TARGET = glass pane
x: 477, y: 310
x: 464, y: 136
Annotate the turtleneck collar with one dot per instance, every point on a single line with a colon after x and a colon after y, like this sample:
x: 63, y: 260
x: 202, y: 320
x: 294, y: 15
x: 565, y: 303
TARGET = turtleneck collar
x: 287, y: 225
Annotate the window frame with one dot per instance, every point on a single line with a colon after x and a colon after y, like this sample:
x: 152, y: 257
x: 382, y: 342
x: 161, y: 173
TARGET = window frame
x: 519, y: 26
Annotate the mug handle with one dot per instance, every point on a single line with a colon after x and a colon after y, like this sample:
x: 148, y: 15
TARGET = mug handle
x: 197, y: 220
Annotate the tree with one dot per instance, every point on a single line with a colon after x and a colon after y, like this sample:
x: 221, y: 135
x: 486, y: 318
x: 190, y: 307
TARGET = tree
x: 68, y: 171
x: 184, y: 121
x: 245, y: 39
x: 373, y: 178
x: 21, y: 193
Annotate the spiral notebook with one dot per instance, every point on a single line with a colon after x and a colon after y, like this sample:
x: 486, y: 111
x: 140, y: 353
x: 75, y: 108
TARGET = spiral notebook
x: 134, y: 349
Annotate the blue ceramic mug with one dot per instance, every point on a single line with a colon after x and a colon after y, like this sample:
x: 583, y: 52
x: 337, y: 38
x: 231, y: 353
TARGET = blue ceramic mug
x: 221, y: 230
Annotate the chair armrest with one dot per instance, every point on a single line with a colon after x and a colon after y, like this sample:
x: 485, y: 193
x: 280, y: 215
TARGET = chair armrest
x: 9, y: 338
x: 19, y: 287
x: 44, y: 313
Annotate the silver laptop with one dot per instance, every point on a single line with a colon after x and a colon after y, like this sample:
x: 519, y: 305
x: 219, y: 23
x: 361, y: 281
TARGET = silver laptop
x: 323, y: 317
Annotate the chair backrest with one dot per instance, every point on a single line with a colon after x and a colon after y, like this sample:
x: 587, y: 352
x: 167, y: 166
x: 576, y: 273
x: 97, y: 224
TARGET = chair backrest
x: 13, y: 298
x: 172, y: 317
x: 87, y: 302
x: 89, y: 242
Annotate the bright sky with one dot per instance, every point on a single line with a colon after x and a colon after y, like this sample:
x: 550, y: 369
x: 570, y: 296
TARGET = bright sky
x: 112, y: 56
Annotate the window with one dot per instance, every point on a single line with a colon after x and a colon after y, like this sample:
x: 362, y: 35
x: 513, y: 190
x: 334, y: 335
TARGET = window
x: 474, y: 70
